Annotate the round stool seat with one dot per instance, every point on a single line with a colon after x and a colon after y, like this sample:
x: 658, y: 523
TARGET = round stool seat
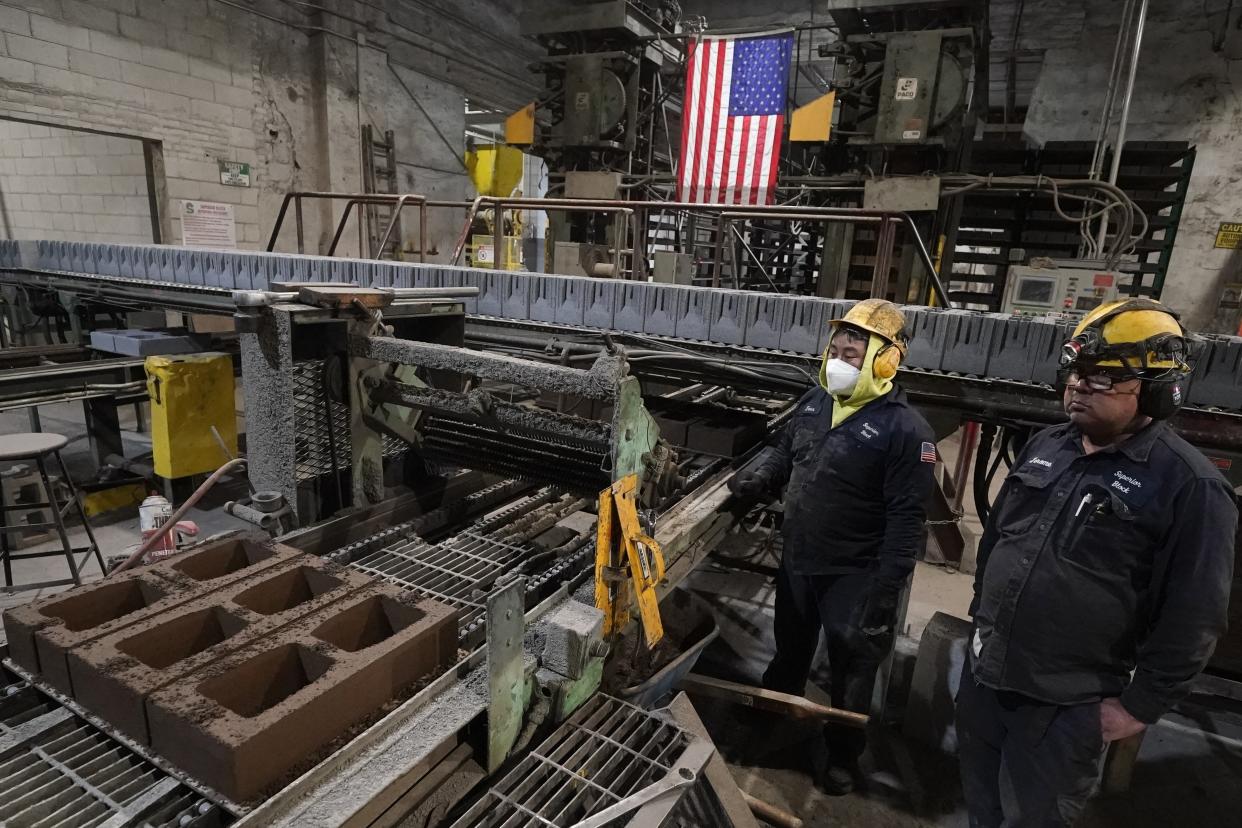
x: 30, y: 445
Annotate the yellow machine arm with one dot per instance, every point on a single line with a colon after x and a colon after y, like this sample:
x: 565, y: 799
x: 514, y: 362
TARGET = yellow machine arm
x: 621, y: 542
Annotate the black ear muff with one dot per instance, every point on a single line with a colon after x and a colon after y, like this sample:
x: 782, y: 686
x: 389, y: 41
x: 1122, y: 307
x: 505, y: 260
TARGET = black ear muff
x: 1160, y: 398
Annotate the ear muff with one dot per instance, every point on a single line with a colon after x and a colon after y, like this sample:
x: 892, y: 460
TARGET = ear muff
x: 1160, y: 398
x: 884, y: 366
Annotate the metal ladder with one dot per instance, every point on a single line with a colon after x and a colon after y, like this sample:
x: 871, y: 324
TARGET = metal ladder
x: 379, y: 169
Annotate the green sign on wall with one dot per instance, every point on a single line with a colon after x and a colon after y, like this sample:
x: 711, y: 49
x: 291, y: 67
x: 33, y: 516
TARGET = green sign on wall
x: 234, y: 174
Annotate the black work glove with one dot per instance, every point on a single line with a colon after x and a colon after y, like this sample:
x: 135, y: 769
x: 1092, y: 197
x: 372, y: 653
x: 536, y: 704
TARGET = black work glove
x: 879, y: 609
x: 748, y: 483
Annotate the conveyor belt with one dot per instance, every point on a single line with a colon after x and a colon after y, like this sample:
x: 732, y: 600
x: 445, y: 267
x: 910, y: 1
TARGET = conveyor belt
x: 954, y: 342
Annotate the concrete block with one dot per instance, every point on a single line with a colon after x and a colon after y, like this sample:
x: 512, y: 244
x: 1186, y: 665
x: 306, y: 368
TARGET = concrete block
x: 516, y: 296
x: 45, y: 28
x: 114, y: 675
x: 243, y: 723
x: 930, y: 710
x: 804, y: 325
x: 928, y: 329
x: 1010, y: 356
x: 694, y: 316
x: 547, y: 296
x: 87, y: 612
x: 1217, y: 378
x: 727, y: 313
x: 492, y: 290
x: 765, y: 319
x: 572, y: 307
x: 599, y: 303
x: 662, y: 308
x: 38, y: 51
x: 1047, y: 338
x: 968, y: 342
x: 629, y: 306
x: 571, y: 629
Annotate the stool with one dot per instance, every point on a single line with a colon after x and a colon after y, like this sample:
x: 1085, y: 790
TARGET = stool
x: 37, y: 447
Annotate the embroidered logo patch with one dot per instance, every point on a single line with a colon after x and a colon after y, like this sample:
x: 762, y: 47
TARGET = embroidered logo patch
x: 928, y: 453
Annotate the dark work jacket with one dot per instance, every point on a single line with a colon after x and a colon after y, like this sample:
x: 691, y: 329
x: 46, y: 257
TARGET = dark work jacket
x: 1095, y: 565
x: 856, y: 493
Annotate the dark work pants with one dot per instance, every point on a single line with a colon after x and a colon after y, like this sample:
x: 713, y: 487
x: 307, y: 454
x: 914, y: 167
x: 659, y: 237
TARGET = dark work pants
x: 1025, y: 763
x: 805, y: 604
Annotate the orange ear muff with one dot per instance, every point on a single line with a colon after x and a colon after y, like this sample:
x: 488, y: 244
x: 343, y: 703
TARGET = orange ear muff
x: 884, y: 366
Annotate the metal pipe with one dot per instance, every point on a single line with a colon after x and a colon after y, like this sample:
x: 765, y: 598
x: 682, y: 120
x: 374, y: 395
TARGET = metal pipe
x: 1125, y: 113
x: 970, y: 438
x: 1106, y: 114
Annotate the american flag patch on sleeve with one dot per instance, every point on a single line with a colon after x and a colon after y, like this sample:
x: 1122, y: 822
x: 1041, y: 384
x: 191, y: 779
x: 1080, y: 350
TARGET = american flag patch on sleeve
x: 928, y: 453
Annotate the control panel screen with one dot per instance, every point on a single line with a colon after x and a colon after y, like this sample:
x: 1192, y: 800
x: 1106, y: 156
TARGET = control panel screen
x: 1086, y: 303
x: 1033, y: 290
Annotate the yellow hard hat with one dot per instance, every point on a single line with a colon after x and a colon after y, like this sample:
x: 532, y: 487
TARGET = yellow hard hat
x: 880, y: 317
x: 1138, y: 334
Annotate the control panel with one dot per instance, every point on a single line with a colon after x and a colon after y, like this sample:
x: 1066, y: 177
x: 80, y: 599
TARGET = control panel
x: 1068, y: 290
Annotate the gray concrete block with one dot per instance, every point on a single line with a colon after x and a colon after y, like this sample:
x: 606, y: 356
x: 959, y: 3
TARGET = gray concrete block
x: 967, y: 342
x: 492, y: 289
x: 571, y: 630
x: 765, y: 318
x: 1047, y: 338
x: 599, y: 298
x: 547, y: 294
x: 143, y: 343
x: 807, y: 320
x: 930, y: 708
x: 517, y: 294
x: 629, y: 306
x: 1010, y: 356
x: 928, y: 328
x: 694, y: 316
x: 661, y: 309
x: 572, y: 307
x: 727, y: 313
x: 1217, y: 378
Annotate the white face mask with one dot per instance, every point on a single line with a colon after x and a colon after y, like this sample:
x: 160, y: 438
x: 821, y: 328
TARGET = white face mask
x: 841, y: 376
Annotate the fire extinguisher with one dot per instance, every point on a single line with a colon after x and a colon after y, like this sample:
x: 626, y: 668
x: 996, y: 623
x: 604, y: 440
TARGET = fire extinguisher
x: 153, y: 514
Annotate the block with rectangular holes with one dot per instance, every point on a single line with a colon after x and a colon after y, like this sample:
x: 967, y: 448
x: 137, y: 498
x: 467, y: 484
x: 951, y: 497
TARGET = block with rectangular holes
x: 112, y: 675
x: 242, y: 723
x: 81, y: 615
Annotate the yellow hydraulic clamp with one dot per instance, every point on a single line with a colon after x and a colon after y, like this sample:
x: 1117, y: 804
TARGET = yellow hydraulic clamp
x: 622, y: 544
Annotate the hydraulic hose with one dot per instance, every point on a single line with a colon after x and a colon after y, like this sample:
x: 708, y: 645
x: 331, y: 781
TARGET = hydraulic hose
x: 177, y: 515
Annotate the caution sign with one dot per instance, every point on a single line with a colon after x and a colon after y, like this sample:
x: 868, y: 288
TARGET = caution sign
x: 1229, y: 236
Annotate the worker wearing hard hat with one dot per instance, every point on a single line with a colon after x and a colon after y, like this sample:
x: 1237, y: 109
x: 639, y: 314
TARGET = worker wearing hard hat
x: 1103, y: 577
x: 859, y: 463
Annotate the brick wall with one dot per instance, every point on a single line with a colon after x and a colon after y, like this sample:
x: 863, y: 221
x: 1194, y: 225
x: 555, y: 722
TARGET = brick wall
x: 205, y: 82
x: 61, y: 184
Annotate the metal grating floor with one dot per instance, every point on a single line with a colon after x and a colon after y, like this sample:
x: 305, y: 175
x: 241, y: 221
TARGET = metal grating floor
x: 56, y: 769
x: 606, y: 751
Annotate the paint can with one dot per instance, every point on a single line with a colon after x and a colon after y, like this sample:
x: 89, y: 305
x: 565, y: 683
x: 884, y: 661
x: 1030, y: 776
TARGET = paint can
x: 152, y: 514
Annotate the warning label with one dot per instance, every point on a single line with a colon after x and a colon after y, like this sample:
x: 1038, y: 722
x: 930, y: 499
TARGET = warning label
x: 1229, y: 236
x: 907, y: 89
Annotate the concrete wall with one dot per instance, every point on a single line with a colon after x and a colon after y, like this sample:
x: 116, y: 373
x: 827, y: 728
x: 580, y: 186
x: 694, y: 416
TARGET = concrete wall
x: 1185, y: 90
x: 212, y: 82
x: 61, y: 184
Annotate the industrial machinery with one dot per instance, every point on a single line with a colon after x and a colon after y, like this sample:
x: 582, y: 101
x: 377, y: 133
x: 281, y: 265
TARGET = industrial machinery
x: 1068, y: 288
x: 506, y: 402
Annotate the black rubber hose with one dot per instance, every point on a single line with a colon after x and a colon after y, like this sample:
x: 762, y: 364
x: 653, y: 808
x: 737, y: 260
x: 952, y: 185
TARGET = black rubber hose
x: 983, y: 453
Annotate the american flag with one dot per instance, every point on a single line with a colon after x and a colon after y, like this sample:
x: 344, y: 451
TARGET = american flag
x: 734, y: 118
x: 928, y: 453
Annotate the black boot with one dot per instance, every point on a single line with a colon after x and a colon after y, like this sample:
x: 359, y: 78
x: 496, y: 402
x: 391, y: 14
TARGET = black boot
x: 837, y: 779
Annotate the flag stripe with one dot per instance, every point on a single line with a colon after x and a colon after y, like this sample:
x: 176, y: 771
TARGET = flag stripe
x: 687, y: 131
x: 712, y: 118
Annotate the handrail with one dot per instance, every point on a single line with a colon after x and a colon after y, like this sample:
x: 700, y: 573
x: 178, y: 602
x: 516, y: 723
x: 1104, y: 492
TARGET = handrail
x: 399, y: 201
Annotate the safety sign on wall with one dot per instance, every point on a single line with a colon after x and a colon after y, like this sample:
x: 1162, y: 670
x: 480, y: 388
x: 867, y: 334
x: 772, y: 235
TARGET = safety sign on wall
x: 1229, y: 236
x: 234, y: 173
x: 207, y: 224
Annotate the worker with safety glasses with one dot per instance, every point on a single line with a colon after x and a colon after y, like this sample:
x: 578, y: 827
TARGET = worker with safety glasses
x: 1102, y: 581
x: 859, y: 462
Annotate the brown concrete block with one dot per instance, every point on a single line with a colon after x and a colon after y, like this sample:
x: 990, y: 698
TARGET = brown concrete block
x: 113, y: 674
x: 84, y: 613
x: 242, y: 724
x: 211, y: 565
x: 21, y: 623
x: 222, y: 561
